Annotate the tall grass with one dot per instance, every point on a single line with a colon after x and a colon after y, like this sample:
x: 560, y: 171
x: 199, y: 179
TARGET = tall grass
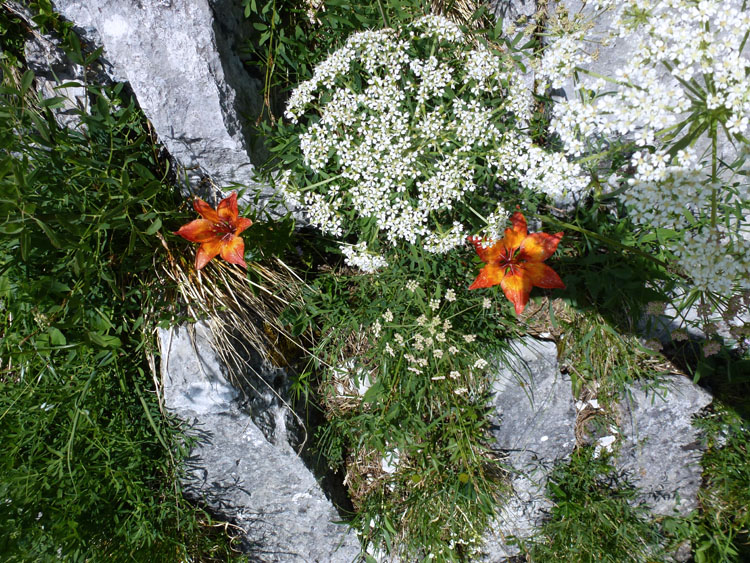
x: 89, y: 464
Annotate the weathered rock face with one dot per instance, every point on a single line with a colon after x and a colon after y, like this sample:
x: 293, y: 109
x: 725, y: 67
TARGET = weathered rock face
x: 536, y: 427
x: 186, y: 76
x: 661, y: 450
x: 51, y: 67
x: 657, y: 449
x: 263, y: 488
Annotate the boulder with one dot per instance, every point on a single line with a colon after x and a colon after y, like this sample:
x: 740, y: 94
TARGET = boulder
x: 656, y: 448
x: 660, y: 451
x: 534, y: 424
x: 187, y: 77
x: 264, y: 488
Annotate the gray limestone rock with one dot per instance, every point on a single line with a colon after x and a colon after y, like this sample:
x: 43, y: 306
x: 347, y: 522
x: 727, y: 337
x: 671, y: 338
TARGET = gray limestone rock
x: 513, y: 12
x: 262, y: 487
x: 51, y: 67
x: 186, y: 77
x: 536, y: 420
x: 661, y: 451
x: 658, y: 450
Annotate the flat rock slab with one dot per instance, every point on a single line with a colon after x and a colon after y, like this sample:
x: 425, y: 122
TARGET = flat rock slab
x: 192, y: 88
x: 263, y: 488
x: 658, y: 449
x: 661, y: 449
x: 536, y: 427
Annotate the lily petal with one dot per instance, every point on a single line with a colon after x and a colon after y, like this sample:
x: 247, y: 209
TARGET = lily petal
x: 489, y: 253
x: 543, y: 276
x: 488, y: 276
x: 537, y: 247
x: 241, y: 224
x: 515, y: 236
x: 206, y: 211
x: 227, y: 208
x: 199, y: 230
x: 234, y: 251
x: 517, y: 288
x: 207, y: 251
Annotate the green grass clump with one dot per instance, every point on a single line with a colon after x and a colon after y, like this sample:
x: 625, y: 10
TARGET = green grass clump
x: 402, y: 370
x: 720, y: 529
x: 600, y: 358
x: 594, y: 518
x: 725, y: 496
x: 89, y: 464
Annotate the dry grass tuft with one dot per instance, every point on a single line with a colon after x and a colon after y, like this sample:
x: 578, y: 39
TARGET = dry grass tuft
x: 242, y: 309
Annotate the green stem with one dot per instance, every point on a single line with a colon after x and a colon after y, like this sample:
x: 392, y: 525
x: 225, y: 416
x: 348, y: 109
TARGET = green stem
x: 386, y: 23
x: 714, y: 194
x: 321, y: 183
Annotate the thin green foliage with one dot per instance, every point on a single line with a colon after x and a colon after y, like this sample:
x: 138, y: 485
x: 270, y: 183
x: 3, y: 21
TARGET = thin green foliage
x: 720, y: 529
x: 89, y: 464
x: 594, y: 517
x: 293, y: 35
x: 598, y: 357
x: 401, y: 372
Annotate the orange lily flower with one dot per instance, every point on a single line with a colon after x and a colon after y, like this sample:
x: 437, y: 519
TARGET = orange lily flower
x: 516, y: 262
x: 217, y: 232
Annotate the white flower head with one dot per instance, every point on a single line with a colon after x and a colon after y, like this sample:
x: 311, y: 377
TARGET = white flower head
x: 404, y: 154
x: 358, y: 256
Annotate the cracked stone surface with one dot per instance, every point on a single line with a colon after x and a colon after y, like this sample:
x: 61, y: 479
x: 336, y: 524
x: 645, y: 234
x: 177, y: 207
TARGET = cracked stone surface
x: 535, y: 423
x: 661, y: 450
x: 186, y: 77
x: 658, y: 449
x: 262, y: 487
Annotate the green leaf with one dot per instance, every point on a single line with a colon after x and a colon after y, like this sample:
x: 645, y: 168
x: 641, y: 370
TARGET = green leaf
x: 155, y: 226
x: 104, y: 340
x: 49, y: 232
x: 372, y: 394
x: 53, y: 102
x: 12, y: 228
x: 56, y: 338
x: 26, y: 80
x: 93, y: 56
x: 25, y: 243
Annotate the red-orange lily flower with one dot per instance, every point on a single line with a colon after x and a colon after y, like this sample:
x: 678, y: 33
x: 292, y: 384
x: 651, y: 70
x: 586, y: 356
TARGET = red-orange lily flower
x: 516, y: 262
x: 217, y: 232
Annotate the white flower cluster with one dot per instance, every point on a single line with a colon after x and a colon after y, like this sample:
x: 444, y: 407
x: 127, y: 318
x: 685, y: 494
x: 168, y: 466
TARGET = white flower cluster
x: 685, y: 58
x: 323, y: 211
x: 667, y: 193
x: 714, y: 261
x: 358, y: 256
x: 404, y: 134
x: 427, y: 343
x: 671, y: 42
x: 537, y: 170
x: 557, y: 64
